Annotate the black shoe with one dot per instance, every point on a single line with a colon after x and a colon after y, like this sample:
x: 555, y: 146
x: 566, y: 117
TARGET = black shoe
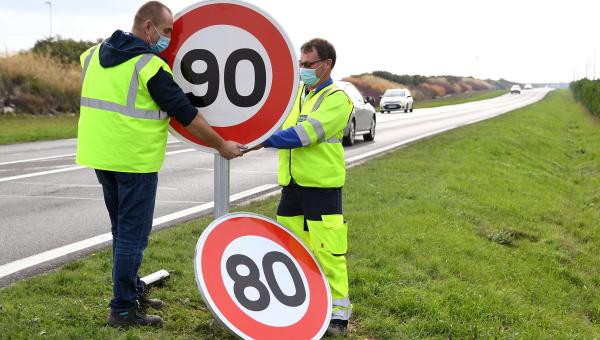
x: 146, y: 302
x: 134, y: 316
x: 336, y: 327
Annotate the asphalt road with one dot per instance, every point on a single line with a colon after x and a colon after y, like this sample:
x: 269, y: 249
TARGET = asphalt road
x: 48, y: 203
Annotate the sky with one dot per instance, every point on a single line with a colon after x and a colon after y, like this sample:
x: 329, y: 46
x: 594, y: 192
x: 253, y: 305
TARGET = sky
x: 526, y: 41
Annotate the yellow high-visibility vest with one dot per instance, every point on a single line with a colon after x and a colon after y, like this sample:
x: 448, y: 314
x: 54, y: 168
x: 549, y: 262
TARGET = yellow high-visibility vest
x: 319, y: 120
x: 121, y: 128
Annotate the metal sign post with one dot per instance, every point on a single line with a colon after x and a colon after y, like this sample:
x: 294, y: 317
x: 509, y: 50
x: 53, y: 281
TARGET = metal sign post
x: 221, y: 186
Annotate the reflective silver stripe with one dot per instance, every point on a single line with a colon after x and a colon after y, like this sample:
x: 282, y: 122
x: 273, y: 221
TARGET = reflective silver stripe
x: 130, y: 109
x: 333, y: 140
x: 318, y: 128
x: 135, y: 82
x: 344, y: 302
x: 319, y: 100
x: 124, y: 110
x: 301, y: 132
x: 86, y: 62
x: 341, y: 314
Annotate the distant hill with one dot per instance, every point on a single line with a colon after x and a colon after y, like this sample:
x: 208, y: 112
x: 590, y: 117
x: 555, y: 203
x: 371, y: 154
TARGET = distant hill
x: 423, y: 88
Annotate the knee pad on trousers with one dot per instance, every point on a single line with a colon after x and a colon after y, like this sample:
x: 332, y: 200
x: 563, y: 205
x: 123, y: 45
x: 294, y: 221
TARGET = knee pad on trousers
x: 329, y: 239
x: 296, y: 225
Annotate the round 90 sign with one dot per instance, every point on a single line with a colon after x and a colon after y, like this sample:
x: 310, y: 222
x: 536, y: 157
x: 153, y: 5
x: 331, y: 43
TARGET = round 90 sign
x: 237, y: 66
x: 260, y: 280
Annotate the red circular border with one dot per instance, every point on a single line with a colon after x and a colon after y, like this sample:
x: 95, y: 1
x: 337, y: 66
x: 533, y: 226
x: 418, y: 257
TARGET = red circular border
x: 210, y: 262
x: 279, y: 54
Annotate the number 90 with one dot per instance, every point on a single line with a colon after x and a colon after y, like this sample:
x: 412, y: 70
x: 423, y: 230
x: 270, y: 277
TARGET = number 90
x: 211, y: 76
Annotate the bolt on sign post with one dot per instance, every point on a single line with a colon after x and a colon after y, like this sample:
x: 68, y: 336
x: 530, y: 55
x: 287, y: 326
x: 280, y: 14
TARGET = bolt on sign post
x: 238, y: 67
x: 260, y: 280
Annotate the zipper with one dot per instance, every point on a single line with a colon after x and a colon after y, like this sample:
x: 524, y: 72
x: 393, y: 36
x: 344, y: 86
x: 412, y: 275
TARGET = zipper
x: 292, y: 180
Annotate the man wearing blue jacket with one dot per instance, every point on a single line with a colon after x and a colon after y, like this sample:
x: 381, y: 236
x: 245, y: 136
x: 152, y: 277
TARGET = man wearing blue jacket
x: 127, y: 96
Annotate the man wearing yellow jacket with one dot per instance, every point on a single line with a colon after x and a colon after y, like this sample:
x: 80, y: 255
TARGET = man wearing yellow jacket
x: 312, y: 171
x: 127, y: 96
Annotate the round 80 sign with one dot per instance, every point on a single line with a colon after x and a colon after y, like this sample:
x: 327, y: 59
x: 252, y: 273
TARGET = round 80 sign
x: 237, y: 66
x: 260, y: 280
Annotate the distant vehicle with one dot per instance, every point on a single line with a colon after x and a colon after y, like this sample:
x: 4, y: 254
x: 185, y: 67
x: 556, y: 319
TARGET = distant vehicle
x: 362, y: 119
x: 396, y: 99
x: 515, y: 89
x: 527, y: 87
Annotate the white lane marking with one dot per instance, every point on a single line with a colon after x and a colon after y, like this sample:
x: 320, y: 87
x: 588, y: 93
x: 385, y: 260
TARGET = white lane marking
x: 77, y: 167
x: 38, y: 159
x: 42, y: 173
x: 89, y: 198
x: 62, y: 185
x: 80, y: 185
x: 57, y: 197
x: 34, y: 260
x: 57, y: 156
x: 178, y: 151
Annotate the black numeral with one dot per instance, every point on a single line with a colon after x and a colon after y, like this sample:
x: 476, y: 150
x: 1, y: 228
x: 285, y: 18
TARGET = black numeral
x: 243, y: 282
x: 253, y: 280
x: 212, y: 77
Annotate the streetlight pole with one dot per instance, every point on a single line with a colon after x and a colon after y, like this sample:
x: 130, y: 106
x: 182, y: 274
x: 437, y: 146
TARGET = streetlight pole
x: 49, y: 3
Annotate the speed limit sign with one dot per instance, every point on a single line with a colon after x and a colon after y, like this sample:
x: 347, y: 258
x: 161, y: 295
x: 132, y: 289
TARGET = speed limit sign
x: 237, y: 66
x: 260, y: 280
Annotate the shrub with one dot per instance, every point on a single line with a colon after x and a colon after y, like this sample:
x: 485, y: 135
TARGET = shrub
x: 66, y: 51
x: 587, y: 92
x: 39, y: 84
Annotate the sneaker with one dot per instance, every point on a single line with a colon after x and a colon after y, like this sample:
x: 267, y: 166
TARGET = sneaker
x: 336, y: 327
x: 146, y: 302
x: 133, y: 317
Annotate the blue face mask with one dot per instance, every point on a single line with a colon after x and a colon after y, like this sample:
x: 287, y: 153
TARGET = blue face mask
x: 309, y: 76
x: 161, y: 44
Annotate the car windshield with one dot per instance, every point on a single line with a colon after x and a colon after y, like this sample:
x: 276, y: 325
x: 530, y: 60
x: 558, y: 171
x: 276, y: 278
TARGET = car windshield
x: 394, y: 93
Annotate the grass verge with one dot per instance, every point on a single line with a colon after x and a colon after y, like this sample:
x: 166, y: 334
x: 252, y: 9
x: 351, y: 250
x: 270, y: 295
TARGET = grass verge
x: 23, y: 128
x: 490, y: 230
x: 459, y: 98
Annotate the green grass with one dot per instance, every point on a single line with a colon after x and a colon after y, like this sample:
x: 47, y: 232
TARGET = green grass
x: 459, y: 98
x: 22, y: 128
x: 490, y: 230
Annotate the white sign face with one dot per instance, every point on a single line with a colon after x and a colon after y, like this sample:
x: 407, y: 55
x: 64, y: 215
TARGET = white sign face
x: 260, y: 281
x: 237, y: 66
x: 222, y: 112
x: 277, y: 299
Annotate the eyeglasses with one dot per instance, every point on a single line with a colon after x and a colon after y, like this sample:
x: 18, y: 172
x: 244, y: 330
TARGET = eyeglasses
x: 308, y: 64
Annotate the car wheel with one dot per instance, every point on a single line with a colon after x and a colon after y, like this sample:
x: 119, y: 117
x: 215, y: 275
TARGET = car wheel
x: 349, y: 139
x: 411, y: 107
x: 406, y: 108
x: 371, y: 135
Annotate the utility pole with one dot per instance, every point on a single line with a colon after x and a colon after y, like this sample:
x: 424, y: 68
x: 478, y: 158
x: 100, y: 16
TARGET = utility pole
x: 594, y: 63
x: 49, y: 3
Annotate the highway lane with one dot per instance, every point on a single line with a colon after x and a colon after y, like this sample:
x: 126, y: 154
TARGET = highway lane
x: 47, y: 201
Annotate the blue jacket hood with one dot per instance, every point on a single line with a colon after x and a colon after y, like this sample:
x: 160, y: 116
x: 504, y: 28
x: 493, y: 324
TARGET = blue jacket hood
x: 121, y: 47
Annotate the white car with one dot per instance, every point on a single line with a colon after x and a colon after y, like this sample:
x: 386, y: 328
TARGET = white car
x: 515, y: 89
x: 527, y: 87
x: 396, y: 99
x: 362, y: 119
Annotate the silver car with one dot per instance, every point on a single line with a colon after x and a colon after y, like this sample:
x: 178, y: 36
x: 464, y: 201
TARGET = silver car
x: 362, y: 119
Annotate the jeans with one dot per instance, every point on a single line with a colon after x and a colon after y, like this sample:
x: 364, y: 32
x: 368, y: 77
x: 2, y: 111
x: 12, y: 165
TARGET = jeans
x: 129, y: 198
